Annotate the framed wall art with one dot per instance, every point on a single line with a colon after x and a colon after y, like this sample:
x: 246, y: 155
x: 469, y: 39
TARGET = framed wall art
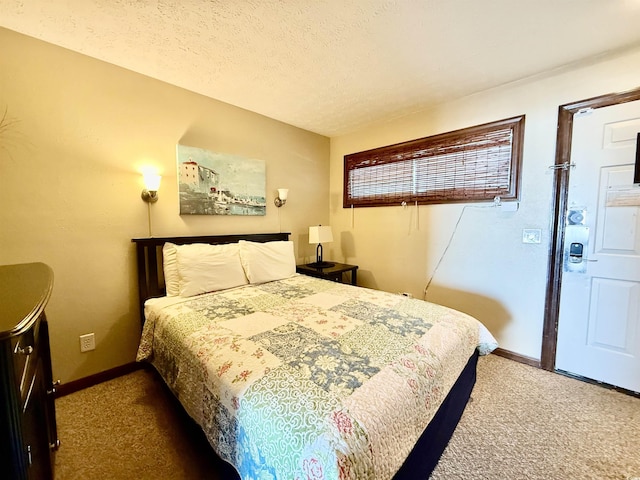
x: 213, y: 183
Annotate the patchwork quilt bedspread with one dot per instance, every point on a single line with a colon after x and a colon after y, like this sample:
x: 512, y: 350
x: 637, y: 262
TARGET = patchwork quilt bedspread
x: 304, y: 378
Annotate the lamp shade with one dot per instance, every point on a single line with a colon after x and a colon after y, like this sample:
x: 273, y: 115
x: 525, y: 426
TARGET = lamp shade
x: 283, y: 193
x: 320, y: 234
x: 152, y: 182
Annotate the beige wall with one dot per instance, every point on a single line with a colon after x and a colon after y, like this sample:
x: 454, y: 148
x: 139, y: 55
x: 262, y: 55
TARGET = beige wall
x: 487, y: 270
x: 70, y: 184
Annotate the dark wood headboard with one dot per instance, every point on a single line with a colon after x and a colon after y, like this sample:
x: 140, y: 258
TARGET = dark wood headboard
x: 149, y: 258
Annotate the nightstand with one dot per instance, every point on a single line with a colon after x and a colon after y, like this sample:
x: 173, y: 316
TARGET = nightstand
x: 333, y: 272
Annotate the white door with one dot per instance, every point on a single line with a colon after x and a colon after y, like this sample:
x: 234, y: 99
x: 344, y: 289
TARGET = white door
x: 599, y: 320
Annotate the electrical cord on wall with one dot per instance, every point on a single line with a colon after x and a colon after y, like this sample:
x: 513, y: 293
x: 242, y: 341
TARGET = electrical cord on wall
x: 424, y: 295
x: 149, y: 216
x: 496, y: 203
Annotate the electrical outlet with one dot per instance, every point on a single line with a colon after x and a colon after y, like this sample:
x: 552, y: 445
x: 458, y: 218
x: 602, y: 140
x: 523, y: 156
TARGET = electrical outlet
x: 87, y: 342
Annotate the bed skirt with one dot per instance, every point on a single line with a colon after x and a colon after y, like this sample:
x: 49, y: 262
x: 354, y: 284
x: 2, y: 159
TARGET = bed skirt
x: 425, y: 455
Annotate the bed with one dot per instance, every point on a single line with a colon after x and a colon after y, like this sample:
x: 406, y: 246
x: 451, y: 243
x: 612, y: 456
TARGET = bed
x: 295, y: 377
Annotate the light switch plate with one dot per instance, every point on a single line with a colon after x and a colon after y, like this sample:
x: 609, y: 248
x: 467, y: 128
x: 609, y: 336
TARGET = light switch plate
x: 531, y: 235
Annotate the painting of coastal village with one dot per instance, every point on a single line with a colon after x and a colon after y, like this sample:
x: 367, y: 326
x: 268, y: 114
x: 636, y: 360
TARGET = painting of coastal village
x: 220, y: 184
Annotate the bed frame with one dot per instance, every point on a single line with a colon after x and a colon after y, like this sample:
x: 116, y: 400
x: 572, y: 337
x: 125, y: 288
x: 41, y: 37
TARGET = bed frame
x: 426, y: 453
x: 149, y: 258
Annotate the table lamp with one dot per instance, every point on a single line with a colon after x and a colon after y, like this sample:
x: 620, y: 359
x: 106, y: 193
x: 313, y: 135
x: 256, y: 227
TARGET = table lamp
x: 320, y: 234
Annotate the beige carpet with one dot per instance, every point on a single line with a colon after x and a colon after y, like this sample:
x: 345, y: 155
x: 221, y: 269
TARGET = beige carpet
x: 523, y: 423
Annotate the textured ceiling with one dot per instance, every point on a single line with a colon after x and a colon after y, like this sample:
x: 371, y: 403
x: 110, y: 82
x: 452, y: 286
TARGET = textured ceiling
x: 333, y: 66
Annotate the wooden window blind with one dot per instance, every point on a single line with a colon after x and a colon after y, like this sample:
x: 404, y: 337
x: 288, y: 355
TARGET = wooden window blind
x: 469, y: 165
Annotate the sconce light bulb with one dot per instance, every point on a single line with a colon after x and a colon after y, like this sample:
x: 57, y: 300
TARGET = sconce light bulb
x: 281, y: 199
x: 151, y: 184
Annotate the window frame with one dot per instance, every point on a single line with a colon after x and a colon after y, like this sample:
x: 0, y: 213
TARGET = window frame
x: 413, y: 151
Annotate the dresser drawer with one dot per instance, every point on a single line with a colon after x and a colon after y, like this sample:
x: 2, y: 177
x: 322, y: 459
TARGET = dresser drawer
x: 25, y: 354
x: 36, y: 446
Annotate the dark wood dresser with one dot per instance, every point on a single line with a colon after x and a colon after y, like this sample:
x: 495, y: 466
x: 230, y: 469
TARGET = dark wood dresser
x: 28, y: 433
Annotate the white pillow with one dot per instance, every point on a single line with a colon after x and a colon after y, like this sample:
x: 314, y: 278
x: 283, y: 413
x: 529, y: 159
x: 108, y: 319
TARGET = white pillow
x: 265, y: 262
x: 206, y: 268
x: 170, y: 269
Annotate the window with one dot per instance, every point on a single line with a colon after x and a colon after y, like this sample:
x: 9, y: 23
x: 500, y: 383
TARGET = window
x: 469, y: 165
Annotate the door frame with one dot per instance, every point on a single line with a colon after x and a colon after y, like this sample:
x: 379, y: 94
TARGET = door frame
x: 560, y: 194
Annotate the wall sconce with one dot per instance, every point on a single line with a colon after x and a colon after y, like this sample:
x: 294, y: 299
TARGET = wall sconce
x: 281, y: 199
x: 151, y: 186
x: 320, y: 234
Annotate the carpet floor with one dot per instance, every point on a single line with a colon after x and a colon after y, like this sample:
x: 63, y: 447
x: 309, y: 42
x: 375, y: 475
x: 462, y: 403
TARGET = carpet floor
x: 522, y: 423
